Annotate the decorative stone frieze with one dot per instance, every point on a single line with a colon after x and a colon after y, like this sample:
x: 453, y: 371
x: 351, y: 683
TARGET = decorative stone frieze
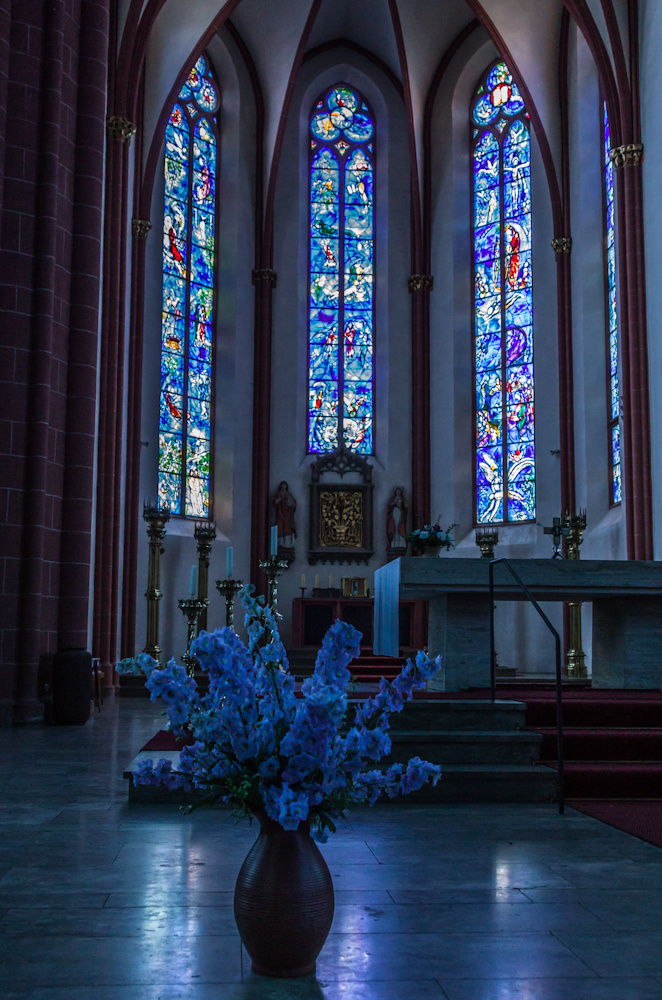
x: 562, y: 244
x: 264, y: 276
x: 140, y: 228
x: 630, y: 155
x: 417, y: 282
x: 120, y: 128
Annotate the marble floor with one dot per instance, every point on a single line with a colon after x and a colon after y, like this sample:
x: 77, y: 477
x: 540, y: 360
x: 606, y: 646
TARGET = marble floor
x: 100, y: 900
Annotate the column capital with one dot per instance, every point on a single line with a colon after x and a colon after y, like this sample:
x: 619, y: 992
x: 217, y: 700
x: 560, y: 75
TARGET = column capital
x: 418, y: 282
x: 562, y: 244
x: 140, y: 228
x: 264, y: 276
x: 120, y: 128
x: 629, y: 155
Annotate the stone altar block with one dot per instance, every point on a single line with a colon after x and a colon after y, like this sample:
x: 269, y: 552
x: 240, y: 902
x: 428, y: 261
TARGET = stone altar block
x: 627, y: 612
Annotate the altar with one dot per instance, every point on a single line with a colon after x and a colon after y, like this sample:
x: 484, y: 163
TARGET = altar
x: 627, y: 612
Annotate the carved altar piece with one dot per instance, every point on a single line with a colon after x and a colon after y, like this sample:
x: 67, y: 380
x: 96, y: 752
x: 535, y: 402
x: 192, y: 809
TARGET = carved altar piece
x: 340, y: 513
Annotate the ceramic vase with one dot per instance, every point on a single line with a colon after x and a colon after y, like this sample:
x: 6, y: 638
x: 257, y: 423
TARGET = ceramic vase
x: 283, y: 901
x: 431, y: 551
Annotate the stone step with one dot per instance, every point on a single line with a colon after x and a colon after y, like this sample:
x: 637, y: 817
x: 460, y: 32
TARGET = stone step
x: 489, y: 783
x: 468, y: 747
x: 460, y: 715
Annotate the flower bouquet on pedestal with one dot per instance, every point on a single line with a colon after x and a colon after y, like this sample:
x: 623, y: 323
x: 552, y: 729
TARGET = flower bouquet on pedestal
x: 431, y: 539
x: 295, y: 762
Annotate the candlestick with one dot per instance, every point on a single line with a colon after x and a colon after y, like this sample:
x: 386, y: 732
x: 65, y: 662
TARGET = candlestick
x: 228, y: 589
x: 228, y: 562
x: 205, y: 533
x: 156, y: 518
x: 191, y: 609
x: 273, y: 568
x: 274, y: 540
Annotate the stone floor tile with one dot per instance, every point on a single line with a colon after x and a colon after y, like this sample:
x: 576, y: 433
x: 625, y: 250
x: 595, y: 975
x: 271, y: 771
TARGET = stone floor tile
x: 619, y: 953
x: 357, y: 957
x: 552, y: 989
x: 253, y: 988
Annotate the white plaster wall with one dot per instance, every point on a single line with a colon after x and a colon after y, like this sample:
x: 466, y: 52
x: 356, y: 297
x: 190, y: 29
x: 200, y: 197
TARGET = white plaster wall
x: 234, y: 367
x: 392, y: 431
x: 522, y: 640
x: 650, y: 39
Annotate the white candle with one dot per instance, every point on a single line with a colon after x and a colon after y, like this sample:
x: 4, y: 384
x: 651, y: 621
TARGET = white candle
x: 317, y: 581
x: 303, y: 580
x: 274, y: 540
x: 330, y: 582
x: 194, y: 581
x: 228, y: 562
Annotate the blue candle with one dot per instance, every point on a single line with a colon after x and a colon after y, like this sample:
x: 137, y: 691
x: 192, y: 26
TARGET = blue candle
x: 228, y: 562
x: 274, y: 540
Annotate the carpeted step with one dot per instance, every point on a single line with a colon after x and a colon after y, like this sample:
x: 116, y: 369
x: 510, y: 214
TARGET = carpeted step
x: 600, y: 780
x: 604, y: 744
x: 587, y: 712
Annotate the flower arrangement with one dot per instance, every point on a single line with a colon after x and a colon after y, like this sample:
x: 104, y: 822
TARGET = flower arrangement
x: 432, y: 536
x: 259, y: 747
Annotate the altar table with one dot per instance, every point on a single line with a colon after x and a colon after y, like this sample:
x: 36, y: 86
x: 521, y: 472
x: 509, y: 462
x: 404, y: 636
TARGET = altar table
x: 626, y: 598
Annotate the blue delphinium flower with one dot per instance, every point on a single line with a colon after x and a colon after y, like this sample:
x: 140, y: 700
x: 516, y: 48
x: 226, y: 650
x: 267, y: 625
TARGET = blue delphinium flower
x: 262, y: 749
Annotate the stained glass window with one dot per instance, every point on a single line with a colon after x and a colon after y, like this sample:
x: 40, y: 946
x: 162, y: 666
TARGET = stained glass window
x: 503, y: 302
x: 189, y: 219
x: 612, y: 321
x: 341, y: 310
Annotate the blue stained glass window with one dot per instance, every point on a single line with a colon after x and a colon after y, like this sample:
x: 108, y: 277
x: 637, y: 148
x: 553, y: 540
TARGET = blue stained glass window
x: 341, y: 299
x: 612, y: 320
x: 503, y: 302
x: 191, y: 153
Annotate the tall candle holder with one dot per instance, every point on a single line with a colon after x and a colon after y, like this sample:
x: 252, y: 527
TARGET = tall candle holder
x: 486, y: 539
x: 204, y: 533
x: 156, y: 519
x: 192, y: 608
x: 574, y: 525
x: 228, y: 589
x: 273, y: 568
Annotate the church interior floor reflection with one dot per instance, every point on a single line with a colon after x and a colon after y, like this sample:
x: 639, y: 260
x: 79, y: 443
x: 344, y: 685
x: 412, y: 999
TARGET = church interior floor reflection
x: 103, y: 900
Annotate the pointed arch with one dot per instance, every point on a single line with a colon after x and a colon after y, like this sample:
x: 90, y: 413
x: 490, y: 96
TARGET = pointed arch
x: 503, y: 302
x: 189, y: 262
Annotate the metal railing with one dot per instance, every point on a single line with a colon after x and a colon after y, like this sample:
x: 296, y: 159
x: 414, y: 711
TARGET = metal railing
x: 557, y: 638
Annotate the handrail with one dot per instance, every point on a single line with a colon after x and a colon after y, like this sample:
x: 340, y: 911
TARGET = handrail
x: 559, y: 699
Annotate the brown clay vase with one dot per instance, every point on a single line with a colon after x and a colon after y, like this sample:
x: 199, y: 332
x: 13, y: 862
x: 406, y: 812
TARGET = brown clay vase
x: 283, y: 901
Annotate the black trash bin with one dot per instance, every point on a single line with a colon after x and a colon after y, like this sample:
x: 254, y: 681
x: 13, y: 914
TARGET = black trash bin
x: 72, y: 687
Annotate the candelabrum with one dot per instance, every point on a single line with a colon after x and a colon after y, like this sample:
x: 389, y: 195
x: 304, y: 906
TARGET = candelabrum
x: 192, y: 607
x: 228, y: 589
x: 486, y: 539
x: 156, y: 518
x: 204, y: 533
x: 273, y: 568
x: 574, y: 525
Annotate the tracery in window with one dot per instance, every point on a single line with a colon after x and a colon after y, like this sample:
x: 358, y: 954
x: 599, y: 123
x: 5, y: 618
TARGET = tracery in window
x: 503, y: 302
x: 341, y: 303
x: 189, y: 225
x: 612, y: 321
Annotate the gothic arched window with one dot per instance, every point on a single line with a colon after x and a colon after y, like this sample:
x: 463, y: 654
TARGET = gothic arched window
x: 503, y: 307
x: 189, y: 225
x: 341, y: 307
x: 612, y: 322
